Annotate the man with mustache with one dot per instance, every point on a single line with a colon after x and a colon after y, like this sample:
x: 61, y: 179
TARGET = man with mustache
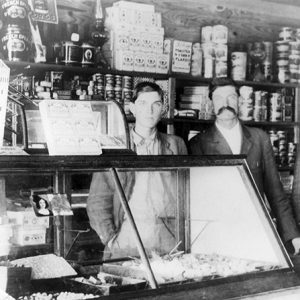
x: 229, y: 136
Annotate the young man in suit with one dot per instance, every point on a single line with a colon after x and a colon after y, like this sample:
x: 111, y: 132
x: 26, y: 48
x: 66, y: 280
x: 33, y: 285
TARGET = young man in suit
x: 229, y: 136
x: 151, y: 197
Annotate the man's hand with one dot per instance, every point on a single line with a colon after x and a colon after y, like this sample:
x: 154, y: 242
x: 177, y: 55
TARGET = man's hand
x: 296, y: 244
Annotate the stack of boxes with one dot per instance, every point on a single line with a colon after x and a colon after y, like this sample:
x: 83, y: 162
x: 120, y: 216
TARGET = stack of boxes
x: 215, y: 50
x: 196, y: 98
x: 136, y: 38
x: 28, y: 229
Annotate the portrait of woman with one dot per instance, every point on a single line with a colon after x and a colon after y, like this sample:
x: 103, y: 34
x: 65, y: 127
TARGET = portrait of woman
x: 42, y: 207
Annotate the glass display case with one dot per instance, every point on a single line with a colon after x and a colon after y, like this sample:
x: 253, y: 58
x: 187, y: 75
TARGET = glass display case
x: 68, y: 127
x: 206, y: 227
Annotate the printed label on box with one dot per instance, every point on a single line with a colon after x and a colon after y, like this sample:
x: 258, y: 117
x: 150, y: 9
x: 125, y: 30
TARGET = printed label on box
x: 181, y: 58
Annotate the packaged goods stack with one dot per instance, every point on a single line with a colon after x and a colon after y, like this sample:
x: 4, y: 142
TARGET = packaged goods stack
x: 28, y: 229
x: 196, y: 60
x: 136, y: 37
x: 284, y: 148
x: 288, y: 55
x: 179, y: 53
x: 196, y: 98
x: 215, y: 50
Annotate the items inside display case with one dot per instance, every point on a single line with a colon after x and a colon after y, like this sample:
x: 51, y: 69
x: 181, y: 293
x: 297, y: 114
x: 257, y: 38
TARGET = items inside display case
x: 187, y: 221
x: 77, y: 127
x: 229, y: 230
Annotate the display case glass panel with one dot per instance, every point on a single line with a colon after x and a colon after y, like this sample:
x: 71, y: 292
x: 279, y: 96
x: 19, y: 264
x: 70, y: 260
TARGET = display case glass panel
x: 79, y: 123
x: 208, y: 220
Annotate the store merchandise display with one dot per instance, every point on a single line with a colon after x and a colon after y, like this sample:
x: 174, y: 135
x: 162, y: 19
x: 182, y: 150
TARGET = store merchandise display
x: 180, y: 267
x: 58, y: 296
x: 46, y: 266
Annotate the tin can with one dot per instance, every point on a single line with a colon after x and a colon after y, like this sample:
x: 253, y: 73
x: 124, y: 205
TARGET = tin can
x: 291, y: 148
x: 291, y: 159
x: 206, y: 34
x: 220, y: 34
x: 264, y: 113
x: 286, y: 34
x: 99, y: 90
x: 109, y: 93
x: 269, y: 51
x: 14, y: 12
x: 88, y: 55
x: 274, y: 138
x: 127, y: 82
x: 221, y: 68
x: 127, y: 95
x: 238, y: 65
x: 257, y: 113
x: 118, y: 95
x: 118, y: 81
x: 246, y: 111
x: 109, y: 80
x: 98, y: 78
x: 275, y: 99
x: 209, y: 64
x: 15, y: 43
x: 268, y: 71
x: 288, y: 113
x: 257, y: 98
x: 264, y: 98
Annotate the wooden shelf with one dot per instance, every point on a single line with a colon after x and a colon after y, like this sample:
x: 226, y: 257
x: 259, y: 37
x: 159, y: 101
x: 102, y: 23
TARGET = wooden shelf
x: 32, y: 68
x: 249, y: 123
x: 201, y: 80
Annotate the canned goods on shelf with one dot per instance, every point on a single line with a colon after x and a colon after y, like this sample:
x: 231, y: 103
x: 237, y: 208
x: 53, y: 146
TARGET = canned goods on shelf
x: 286, y: 34
x: 109, y: 80
x: 127, y: 82
x: 238, y: 65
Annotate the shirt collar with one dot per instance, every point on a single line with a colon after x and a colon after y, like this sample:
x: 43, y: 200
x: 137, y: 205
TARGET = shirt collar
x: 236, y: 127
x: 139, y: 140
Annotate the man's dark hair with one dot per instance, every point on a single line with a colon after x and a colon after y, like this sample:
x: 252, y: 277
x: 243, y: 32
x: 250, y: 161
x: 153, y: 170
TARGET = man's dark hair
x: 218, y: 82
x: 144, y: 87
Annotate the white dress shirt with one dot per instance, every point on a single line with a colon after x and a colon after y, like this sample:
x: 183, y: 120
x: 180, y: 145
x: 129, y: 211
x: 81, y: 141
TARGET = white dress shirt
x: 233, y: 137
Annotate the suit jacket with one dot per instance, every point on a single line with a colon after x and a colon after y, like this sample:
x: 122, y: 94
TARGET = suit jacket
x: 257, y: 146
x: 104, y: 206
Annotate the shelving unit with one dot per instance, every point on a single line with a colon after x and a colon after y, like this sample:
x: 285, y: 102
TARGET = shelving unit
x: 176, y: 81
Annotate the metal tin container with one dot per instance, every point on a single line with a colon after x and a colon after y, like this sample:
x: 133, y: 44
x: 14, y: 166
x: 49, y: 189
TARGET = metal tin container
x: 88, y: 55
x: 15, y: 43
x: 72, y: 53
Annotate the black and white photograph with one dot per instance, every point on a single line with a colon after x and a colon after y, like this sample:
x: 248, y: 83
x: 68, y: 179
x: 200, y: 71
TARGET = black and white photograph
x: 150, y: 149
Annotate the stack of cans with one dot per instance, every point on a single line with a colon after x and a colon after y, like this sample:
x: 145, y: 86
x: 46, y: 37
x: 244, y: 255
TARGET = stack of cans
x: 284, y: 149
x: 288, y: 55
x: 98, y: 92
x: 275, y: 109
x: 246, y: 103
x: 127, y: 92
x: 112, y: 87
x: 109, y: 87
x: 215, y: 50
x: 260, y: 106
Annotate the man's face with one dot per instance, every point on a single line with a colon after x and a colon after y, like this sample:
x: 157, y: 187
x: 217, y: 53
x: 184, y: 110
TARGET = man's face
x: 225, y: 101
x: 147, y: 109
